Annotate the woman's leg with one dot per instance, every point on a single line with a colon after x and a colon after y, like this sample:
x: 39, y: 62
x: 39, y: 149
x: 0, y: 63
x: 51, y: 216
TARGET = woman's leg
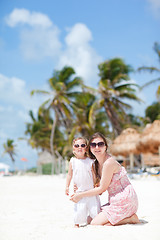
x: 100, y: 219
x: 130, y: 220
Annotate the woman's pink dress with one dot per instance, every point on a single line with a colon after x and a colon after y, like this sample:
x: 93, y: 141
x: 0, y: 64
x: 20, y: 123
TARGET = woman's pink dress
x: 122, y: 198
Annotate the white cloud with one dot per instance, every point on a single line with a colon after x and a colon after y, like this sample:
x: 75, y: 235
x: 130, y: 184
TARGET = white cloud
x: 39, y: 36
x: 23, y: 16
x: 79, y: 34
x: 12, y: 90
x: 15, y: 105
x: 155, y: 7
x: 79, y: 54
x: 14, y: 95
x: 38, y: 43
x: 39, y: 39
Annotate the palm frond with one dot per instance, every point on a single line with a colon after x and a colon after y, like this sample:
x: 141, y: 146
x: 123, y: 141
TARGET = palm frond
x: 158, y: 93
x: 149, y: 83
x: 127, y: 85
x: 39, y: 92
x: 148, y: 69
x: 130, y: 96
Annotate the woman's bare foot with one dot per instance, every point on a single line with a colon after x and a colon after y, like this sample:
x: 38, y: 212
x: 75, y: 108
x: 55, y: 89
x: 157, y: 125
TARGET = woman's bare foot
x: 108, y: 224
x: 130, y: 220
x: 134, y: 219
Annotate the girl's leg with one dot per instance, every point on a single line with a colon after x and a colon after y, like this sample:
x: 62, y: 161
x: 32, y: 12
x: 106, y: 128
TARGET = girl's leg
x: 89, y: 219
x: 100, y: 219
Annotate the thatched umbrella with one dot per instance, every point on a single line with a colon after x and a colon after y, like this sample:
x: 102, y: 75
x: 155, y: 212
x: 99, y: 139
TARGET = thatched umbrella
x: 125, y: 144
x: 149, y: 140
x: 44, y: 158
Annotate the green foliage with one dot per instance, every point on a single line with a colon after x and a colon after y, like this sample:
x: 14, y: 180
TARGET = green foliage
x: 80, y: 110
x: 32, y: 170
x: 10, y: 149
x: 153, y: 111
x: 46, y: 169
x: 152, y: 69
x: 114, y: 87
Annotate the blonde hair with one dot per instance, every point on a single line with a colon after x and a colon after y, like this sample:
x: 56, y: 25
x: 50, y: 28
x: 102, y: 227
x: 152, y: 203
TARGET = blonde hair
x: 80, y: 138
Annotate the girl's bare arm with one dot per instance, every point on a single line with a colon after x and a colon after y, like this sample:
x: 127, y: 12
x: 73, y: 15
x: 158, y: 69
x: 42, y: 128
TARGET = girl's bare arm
x: 69, y: 178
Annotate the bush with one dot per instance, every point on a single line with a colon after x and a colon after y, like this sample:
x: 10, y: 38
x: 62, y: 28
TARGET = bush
x: 46, y: 169
x: 33, y: 170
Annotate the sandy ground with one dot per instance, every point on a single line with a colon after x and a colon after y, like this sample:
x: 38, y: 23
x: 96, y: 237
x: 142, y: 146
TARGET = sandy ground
x: 35, y: 208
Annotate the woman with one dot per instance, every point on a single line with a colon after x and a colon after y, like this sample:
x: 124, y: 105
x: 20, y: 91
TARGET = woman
x: 123, y: 202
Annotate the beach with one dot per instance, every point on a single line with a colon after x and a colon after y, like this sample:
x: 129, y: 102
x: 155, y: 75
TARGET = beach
x: 36, y: 208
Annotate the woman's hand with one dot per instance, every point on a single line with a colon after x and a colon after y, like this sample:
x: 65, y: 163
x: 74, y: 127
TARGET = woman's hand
x: 75, y: 188
x: 75, y: 197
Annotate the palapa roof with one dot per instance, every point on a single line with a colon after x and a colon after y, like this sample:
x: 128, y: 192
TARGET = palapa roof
x: 44, y: 158
x: 150, y: 138
x: 125, y: 143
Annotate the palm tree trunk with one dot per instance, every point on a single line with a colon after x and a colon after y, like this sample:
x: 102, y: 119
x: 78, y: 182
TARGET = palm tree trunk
x: 113, y: 118
x: 52, y: 142
x: 12, y: 158
x: 13, y: 161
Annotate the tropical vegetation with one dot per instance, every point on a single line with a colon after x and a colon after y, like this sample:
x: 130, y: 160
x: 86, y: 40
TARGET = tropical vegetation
x: 153, y: 69
x: 74, y: 109
x: 10, y: 149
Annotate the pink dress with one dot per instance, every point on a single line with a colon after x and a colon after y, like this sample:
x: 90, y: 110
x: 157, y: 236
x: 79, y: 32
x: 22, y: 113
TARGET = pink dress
x: 122, y: 198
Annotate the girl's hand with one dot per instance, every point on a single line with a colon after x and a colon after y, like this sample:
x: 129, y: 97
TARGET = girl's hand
x: 75, y: 197
x: 67, y: 191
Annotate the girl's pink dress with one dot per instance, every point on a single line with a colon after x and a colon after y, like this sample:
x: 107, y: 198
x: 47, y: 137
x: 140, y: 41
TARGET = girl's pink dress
x: 122, y: 198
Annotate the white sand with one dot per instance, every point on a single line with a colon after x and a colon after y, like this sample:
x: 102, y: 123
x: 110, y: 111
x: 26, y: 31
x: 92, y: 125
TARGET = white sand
x: 35, y: 208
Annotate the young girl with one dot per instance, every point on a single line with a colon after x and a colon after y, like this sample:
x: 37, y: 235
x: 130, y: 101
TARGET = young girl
x: 82, y: 171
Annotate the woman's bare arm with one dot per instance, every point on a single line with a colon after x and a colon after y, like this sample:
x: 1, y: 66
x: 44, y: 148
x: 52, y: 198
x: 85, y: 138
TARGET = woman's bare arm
x: 107, y: 173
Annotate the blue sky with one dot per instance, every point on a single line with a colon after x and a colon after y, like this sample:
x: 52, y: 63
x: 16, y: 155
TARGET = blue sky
x: 37, y: 37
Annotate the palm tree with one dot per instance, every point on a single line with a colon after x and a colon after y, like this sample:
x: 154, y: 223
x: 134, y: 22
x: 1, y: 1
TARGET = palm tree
x: 10, y: 148
x: 88, y: 118
x: 39, y: 129
x: 88, y: 115
x: 114, y: 88
x: 152, y: 69
x: 63, y: 89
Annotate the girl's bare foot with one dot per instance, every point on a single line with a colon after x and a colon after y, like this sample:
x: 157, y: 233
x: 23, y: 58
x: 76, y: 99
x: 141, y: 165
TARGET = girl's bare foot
x: 76, y: 225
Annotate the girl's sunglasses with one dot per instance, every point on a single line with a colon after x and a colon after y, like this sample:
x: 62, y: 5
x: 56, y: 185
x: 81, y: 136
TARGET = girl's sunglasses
x: 99, y: 144
x: 82, y: 145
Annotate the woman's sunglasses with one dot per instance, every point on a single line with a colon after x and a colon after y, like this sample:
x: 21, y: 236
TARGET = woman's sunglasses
x: 82, y: 145
x: 99, y: 144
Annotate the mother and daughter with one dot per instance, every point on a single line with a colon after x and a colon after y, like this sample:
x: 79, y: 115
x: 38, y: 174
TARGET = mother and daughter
x: 94, y: 171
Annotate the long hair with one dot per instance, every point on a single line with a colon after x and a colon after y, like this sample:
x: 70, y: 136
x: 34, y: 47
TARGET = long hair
x: 91, y: 155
